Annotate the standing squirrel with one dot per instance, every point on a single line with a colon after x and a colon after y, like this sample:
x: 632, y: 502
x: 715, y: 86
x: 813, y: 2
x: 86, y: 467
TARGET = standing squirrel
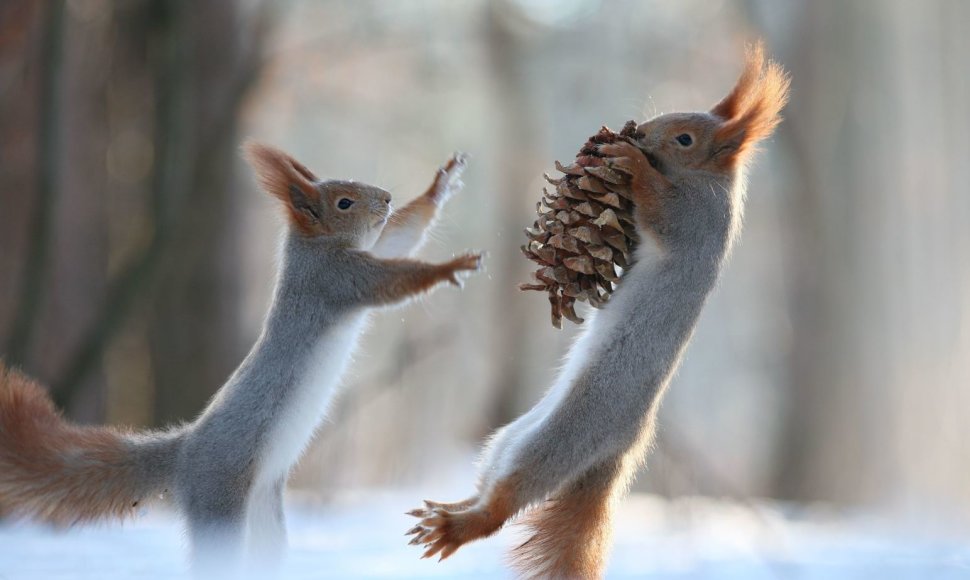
x: 577, y: 450
x: 343, y: 255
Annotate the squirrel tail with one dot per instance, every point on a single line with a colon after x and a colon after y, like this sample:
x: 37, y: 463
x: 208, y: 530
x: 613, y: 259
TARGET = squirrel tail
x: 62, y: 473
x: 571, y: 534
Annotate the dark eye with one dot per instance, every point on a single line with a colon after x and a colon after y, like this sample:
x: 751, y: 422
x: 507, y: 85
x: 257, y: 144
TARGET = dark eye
x: 685, y: 139
x: 345, y: 203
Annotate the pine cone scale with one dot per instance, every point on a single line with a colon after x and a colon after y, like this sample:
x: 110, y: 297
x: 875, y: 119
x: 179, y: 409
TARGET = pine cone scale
x: 583, y: 237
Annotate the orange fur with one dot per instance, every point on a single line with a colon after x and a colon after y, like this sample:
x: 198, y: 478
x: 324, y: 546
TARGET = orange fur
x: 571, y: 534
x: 411, y: 277
x: 423, y: 208
x: 447, y: 527
x: 55, y: 471
x: 421, y: 211
x: 276, y: 173
x: 752, y: 110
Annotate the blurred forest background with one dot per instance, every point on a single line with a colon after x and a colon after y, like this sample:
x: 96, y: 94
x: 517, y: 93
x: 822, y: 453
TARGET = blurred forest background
x: 833, y: 363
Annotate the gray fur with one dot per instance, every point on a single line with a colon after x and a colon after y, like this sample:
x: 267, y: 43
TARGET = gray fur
x: 598, y: 418
x: 220, y: 467
x: 580, y: 445
x: 642, y: 333
x: 605, y: 401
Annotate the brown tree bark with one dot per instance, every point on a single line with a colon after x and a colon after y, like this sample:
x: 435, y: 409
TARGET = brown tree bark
x: 139, y: 132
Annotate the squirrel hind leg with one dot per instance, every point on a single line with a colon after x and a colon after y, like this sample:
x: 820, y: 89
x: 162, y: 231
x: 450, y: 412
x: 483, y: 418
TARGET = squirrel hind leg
x: 571, y: 534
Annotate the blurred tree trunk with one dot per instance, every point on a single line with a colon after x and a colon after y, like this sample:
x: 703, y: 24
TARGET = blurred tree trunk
x: 140, y: 278
x: 194, y: 330
x: 518, y: 128
x: 52, y: 189
x: 877, y: 393
x: 829, y: 425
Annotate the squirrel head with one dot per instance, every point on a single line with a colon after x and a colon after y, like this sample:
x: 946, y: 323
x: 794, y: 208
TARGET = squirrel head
x: 720, y: 141
x: 352, y: 213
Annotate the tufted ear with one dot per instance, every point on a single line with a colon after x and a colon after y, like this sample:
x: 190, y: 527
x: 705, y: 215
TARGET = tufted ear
x: 752, y: 110
x: 289, y: 181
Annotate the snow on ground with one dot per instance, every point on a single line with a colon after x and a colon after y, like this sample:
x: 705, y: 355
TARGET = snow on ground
x: 361, y: 536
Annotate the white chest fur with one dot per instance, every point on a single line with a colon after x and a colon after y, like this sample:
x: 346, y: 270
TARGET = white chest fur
x: 310, y: 400
x: 499, y: 459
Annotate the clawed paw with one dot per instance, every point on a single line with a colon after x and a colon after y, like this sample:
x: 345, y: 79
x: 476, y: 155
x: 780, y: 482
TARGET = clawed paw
x: 627, y: 158
x: 448, y: 179
x: 443, y: 528
x: 430, y: 506
x: 462, y: 266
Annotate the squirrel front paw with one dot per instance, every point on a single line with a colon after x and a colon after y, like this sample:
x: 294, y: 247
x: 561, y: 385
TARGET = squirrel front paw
x: 447, y: 181
x: 631, y: 160
x: 457, y: 269
x: 647, y: 184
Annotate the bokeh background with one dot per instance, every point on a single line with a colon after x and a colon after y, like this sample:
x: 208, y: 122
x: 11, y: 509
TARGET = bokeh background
x: 831, y: 367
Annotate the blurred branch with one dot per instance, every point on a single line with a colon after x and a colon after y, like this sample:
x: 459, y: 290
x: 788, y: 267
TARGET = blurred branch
x: 170, y: 223
x: 48, y: 161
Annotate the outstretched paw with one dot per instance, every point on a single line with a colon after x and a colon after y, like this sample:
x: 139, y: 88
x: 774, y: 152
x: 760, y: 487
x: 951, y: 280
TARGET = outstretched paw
x: 462, y: 266
x: 446, y: 527
x: 448, y: 179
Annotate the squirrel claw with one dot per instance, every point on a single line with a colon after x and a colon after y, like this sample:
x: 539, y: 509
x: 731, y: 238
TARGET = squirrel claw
x: 418, y: 539
x: 627, y: 158
x: 449, y: 526
x: 447, y: 180
x: 461, y: 266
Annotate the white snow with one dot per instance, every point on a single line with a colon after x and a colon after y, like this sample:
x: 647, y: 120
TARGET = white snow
x: 360, y: 535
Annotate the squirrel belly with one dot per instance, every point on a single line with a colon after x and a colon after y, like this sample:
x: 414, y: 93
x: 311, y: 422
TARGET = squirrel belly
x: 315, y: 389
x: 614, y: 375
x: 271, y: 407
x: 595, y: 336
x: 274, y: 402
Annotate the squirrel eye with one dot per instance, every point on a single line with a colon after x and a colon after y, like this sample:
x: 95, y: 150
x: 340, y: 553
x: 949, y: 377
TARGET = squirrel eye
x: 345, y: 203
x: 685, y: 139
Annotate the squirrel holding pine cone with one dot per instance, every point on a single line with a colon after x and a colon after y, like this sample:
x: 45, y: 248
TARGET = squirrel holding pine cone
x: 565, y: 463
x: 639, y: 227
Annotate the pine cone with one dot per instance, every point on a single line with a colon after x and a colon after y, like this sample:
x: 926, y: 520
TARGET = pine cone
x: 584, y: 232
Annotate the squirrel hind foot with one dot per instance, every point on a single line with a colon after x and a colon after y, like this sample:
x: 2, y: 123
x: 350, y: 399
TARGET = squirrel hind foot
x: 445, y: 527
x: 445, y: 531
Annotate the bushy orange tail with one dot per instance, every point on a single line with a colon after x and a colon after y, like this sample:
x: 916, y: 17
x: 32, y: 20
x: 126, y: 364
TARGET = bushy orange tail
x: 572, y: 533
x: 65, y: 474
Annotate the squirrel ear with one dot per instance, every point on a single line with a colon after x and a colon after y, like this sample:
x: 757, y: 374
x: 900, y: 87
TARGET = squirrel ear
x: 752, y: 110
x: 289, y: 181
x: 732, y: 105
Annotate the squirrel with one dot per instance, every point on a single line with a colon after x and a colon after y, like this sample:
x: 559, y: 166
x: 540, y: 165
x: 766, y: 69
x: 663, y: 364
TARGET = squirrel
x: 343, y: 255
x: 573, y: 455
